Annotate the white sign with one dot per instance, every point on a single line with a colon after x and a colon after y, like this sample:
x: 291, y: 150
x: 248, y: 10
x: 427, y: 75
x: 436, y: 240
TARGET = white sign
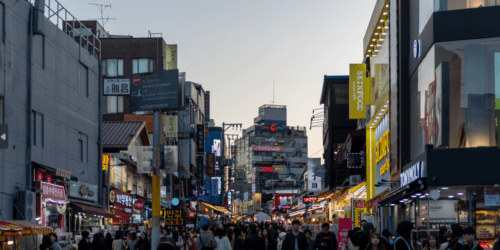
x: 116, y: 86
x: 492, y: 200
x: 272, y: 139
x: 253, y: 188
x: 124, y: 200
x: 413, y: 173
x: 417, y: 48
x: 163, y: 192
x: 286, y: 191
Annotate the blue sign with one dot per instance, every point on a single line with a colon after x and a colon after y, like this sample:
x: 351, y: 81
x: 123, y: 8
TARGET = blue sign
x: 175, y: 202
x: 154, y: 90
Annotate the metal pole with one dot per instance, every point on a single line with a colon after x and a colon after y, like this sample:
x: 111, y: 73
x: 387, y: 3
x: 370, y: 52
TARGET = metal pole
x: 155, y: 221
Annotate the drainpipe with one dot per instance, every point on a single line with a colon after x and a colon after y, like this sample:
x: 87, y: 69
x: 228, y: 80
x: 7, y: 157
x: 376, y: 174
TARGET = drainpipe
x: 29, y: 106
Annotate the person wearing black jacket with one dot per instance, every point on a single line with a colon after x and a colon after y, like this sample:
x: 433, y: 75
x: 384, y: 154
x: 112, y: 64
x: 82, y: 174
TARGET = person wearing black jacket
x: 272, y: 233
x: 456, y: 234
x: 404, y: 236
x: 253, y: 241
x: 238, y: 239
x: 269, y: 242
x: 143, y: 243
x: 108, y: 242
x: 97, y: 244
x: 295, y: 240
x: 326, y: 240
x: 363, y: 239
x: 84, y: 244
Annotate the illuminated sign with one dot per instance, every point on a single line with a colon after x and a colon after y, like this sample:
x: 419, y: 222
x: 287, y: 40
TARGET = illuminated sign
x: 279, y: 158
x: 381, y: 151
x: 174, y: 217
x: 273, y: 128
x: 413, y: 173
x: 105, y: 162
x: 359, y: 91
x: 310, y: 199
x: 271, y: 169
x: 266, y: 148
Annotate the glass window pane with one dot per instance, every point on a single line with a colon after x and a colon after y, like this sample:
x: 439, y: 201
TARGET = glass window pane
x: 103, y: 67
x: 112, y: 108
x: 120, y: 104
x: 105, y: 104
x: 151, y: 65
x: 120, y: 67
x: 135, y: 66
x: 143, y: 65
x: 112, y: 67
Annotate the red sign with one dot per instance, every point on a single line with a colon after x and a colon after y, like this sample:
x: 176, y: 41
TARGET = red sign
x: 374, y: 202
x: 136, y: 80
x: 139, y: 205
x: 53, y: 191
x: 210, y: 164
x: 273, y: 128
x: 345, y: 224
x: 122, y: 204
x: 63, y: 173
x: 310, y: 199
x: 266, y: 148
x: 268, y: 169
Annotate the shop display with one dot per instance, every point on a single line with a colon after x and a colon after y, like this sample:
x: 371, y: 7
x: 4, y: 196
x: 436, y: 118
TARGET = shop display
x: 486, y: 217
x: 485, y: 231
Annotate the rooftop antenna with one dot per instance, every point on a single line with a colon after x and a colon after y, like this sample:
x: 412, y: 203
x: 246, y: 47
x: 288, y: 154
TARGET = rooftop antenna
x: 273, y: 93
x: 102, y: 8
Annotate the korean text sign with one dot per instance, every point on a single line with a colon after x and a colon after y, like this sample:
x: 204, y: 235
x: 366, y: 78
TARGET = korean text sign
x: 53, y: 191
x: 358, y: 207
x: 123, y: 204
x: 154, y: 91
x: 345, y: 224
x: 211, y: 165
x: 174, y: 217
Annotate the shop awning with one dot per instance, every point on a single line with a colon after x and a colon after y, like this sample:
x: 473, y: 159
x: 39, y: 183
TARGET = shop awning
x: 357, y: 188
x: 94, y: 210
x: 22, y: 228
x: 216, y: 207
x: 340, y: 192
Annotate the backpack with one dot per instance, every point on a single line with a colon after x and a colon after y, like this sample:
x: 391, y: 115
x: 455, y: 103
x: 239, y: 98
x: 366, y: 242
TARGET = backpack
x: 393, y: 246
x: 203, y: 247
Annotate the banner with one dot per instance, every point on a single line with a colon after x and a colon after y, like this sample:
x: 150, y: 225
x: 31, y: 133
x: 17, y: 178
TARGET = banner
x: 105, y: 162
x: 359, y: 91
x: 210, y: 164
x: 200, y: 139
x: 345, y: 224
x: 358, y: 207
x: 170, y: 127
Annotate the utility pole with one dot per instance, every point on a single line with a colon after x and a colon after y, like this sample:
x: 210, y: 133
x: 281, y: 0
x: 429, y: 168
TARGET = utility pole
x: 155, y: 221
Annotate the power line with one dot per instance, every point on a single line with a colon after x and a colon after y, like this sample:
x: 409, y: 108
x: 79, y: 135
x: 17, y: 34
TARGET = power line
x: 102, y: 8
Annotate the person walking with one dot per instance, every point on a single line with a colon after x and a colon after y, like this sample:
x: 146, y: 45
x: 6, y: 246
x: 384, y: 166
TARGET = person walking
x: 281, y: 238
x: 386, y: 237
x: 238, y: 239
x: 84, y: 242
x: 97, y: 243
x: 456, y: 235
x: 183, y: 241
x: 108, y: 242
x: 376, y: 243
x: 192, y: 239
x: 404, y: 236
x: 165, y: 244
x: 230, y: 236
x: 149, y: 233
x: 326, y: 240
x: 295, y: 240
x: 310, y: 243
x: 272, y: 233
x: 222, y: 240
x: 350, y: 244
x: 133, y: 241
x: 443, y: 235
x: 469, y: 241
x: 206, y: 240
x: 253, y: 241
x: 268, y: 240
x: 118, y: 243
x: 46, y: 241
x: 53, y: 241
x: 143, y: 243
x: 432, y: 243
x: 364, y: 239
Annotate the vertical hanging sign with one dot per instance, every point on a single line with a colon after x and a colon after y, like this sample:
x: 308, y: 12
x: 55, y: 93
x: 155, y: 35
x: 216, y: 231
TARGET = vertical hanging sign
x: 359, y: 91
x: 358, y: 207
x: 200, y: 139
x: 210, y: 164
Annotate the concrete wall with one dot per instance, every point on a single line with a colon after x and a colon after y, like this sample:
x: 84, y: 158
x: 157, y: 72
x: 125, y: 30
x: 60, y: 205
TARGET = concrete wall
x: 65, y: 95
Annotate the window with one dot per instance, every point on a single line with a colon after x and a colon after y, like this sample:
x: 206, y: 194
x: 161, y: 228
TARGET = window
x: 37, y: 128
x: 142, y: 65
x: 120, y: 67
x: 113, y: 104
x: 112, y: 67
x: 442, y: 5
x: 83, y: 147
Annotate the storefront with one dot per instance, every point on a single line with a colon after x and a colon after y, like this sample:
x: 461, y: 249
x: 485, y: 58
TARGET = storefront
x: 121, y: 207
x: 444, y: 187
x: 51, y: 205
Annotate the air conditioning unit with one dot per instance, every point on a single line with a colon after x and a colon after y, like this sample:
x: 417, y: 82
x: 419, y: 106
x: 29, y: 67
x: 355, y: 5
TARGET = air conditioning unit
x: 355, y: 180
x: 26, y: 206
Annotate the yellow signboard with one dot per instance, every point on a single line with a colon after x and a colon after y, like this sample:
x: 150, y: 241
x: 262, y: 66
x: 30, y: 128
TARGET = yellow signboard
x: 170, y: 127
x: 171, y: 56
x: 358, y: 207
x: 105, y: 162
x: 359, y: 91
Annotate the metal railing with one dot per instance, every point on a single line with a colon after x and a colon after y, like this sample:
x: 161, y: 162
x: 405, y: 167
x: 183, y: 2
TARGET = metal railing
x: 65, y: 21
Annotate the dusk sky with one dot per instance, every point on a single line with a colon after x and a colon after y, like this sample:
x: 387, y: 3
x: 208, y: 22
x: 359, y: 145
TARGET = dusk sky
x: 235, y: 49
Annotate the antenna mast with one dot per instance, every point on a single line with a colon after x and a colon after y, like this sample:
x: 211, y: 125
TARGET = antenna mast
x: 102, y: 8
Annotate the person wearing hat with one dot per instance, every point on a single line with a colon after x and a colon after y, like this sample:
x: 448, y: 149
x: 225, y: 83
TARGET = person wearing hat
x: 326, y: 240
x: 295, y: 240
x: 364, y: 239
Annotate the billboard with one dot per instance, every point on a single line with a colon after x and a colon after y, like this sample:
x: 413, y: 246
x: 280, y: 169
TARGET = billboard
x: 216, y: 149
x: 116, y: 86
x: 314, y: 182
x: 154, y: 91
x: 207, y: 106
x: 359, y: 91
x: 171, y: 158
x: 266, y: 148
x: 170, y: 57
x: 170, y: 127
x: 200, y: 139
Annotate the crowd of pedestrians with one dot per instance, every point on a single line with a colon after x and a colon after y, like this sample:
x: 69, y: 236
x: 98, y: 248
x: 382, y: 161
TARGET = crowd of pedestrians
x: 275, y: 237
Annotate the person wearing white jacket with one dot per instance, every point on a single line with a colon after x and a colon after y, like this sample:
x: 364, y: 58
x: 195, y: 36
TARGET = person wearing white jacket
x: 281, y: 238
x: 222, y: 240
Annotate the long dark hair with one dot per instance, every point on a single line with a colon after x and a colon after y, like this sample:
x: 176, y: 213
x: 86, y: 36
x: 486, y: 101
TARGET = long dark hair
x: 381, y: 244
x: 97, y: 238
x: 428, y: 245
x: 118, y: 235
x: 109, y: 237
x: 46, y: 240
x: 266, y: 236
x: 229, y: 233
x: 220, y: 232
x: 133, y: 236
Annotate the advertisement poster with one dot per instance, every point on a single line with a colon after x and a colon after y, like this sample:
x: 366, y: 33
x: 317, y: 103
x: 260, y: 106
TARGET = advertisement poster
x: 345, y: 224
x: 358, y: 207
